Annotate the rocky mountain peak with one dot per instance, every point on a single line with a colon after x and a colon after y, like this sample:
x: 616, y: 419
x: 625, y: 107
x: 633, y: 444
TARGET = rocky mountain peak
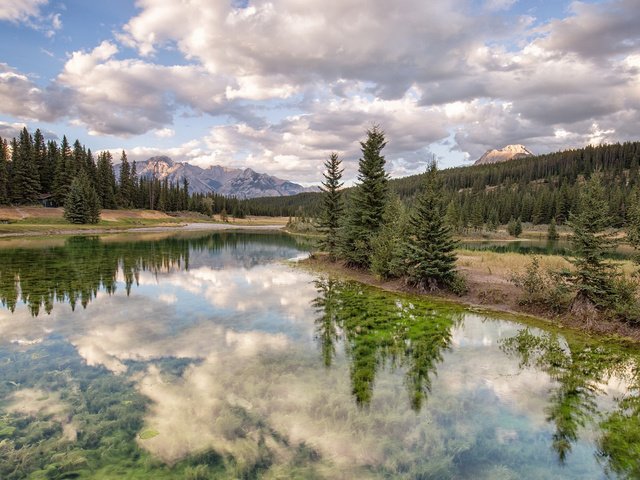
x: 231, y: 182
x: 510, y: 152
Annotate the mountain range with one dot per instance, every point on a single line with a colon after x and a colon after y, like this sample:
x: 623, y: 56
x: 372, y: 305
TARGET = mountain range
x: 230, y: 182
x: 510, y: 152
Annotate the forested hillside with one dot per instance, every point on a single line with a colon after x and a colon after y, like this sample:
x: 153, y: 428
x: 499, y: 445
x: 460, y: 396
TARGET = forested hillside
x: 33, y: 171
x: 535, y: 189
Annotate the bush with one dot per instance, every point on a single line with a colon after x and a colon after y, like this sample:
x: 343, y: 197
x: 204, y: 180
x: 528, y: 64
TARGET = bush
x: 542, y: 288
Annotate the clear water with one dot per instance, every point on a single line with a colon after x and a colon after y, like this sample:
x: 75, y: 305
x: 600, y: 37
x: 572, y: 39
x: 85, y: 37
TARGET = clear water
x: 210, y: 356
x: 541, y: 247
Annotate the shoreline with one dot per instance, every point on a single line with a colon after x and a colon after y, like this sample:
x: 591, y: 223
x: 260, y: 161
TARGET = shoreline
x: 484, y: 295
x: 180, y: 227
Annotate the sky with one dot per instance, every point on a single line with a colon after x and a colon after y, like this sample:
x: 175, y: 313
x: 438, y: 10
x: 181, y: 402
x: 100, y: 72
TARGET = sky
x: 278, y: 85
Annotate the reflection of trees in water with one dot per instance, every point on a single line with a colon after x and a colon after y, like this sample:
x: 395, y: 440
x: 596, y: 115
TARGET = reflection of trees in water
x: 75, y: 272
x: 380, y: 329
x: 580, y: 370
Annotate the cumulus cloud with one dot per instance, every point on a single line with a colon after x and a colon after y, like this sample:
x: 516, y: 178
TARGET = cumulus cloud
x: 20, y: 10
x: 288, y: 82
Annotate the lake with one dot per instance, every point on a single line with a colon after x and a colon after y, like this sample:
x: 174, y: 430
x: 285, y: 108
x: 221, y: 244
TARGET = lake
x: 210, y: 355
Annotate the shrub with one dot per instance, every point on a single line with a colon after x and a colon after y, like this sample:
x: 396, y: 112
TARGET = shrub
x: 542, y: 288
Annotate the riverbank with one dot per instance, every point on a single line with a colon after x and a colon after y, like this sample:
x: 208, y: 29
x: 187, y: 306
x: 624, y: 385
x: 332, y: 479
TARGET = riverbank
x: 39, y: 221
x: 488, y: 276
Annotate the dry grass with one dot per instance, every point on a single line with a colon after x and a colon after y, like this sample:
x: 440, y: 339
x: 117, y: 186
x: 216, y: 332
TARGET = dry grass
x: 503, y: 264
x: 253, y: 220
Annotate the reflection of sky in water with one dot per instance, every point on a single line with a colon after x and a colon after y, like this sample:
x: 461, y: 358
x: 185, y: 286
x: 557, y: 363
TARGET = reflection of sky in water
x: 247, y: 323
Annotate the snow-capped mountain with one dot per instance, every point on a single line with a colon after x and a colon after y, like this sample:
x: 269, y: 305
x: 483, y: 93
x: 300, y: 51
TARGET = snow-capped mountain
x: 509, y: 152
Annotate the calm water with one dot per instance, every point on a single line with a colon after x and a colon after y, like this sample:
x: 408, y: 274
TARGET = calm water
x: 540, y: 247
x: 209, y: 356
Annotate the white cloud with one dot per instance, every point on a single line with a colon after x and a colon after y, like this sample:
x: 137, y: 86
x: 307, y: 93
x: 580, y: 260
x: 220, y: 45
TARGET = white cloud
x: 20, y: 10
x: 289, y: 82
x: 164, y: 133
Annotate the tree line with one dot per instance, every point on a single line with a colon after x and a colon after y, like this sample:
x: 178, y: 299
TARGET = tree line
x: 32, y: 170
x: 535, y: 190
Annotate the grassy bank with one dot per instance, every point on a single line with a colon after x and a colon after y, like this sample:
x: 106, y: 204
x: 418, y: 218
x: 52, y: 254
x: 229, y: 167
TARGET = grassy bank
x: 17, y: 221
x: 488, y: 276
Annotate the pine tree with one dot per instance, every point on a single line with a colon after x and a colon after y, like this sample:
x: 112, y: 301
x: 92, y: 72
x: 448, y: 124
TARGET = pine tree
x: 633, y: 222
x: 40, y: 159
x: 594, y: 277
x: 552, y: 232
x: 429, y: 246
x: 26, y: 180
x: 63, y: 174
x: 367, y: 202
x: 105, y: 181
x: 332, y: 206
x: 386, y: 246
x: 125, y: 191
x: 82, y: 204
x: 4, y: 172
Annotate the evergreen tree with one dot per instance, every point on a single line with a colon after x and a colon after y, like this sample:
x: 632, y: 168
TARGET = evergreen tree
x: 386, y: 246
x: 105, y: 181
x: 552, y: 232
x: 332, y: 206
x: 367, y: 203
x: 514, y: 227
x: 4, y: 172
x: 633, y: 222
x: 40, y: 160
x: 493, y: 221
x: 126, y: 188
x: 63, y: 174
x: 429, y: 246
x: 26, y: 179
x: 594, y: 277
x: 82, y: 204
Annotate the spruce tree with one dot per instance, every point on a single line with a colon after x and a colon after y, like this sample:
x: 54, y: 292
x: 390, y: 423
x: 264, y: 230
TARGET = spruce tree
x: 552, y: 232
x: 332, y: 206
x: 4, y: 172
x: 40, y: 159
x: 367, y: 202
x: 82, y: 204
x: 633, y: 222
x: 429, y: 248
x: 63, y: 173
x: 594, y: 277
x: 26, y: 180
x: 105, y: 181
x: 125, y: 191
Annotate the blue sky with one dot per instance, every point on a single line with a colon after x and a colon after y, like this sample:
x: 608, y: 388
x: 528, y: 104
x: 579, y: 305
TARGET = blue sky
x: 278, y: 85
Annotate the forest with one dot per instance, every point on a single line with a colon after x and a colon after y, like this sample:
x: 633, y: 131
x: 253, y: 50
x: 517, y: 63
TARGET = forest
x: 534, y: 190
x: 34, y: 171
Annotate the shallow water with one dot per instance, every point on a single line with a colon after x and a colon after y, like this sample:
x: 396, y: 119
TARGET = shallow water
x: 540, y: 247
x: 209, y: 356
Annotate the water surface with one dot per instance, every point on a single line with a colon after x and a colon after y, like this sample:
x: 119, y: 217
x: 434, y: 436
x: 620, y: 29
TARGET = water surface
x: 208, y: 355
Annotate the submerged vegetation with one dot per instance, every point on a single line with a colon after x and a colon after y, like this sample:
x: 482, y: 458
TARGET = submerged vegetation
x: 336, y: 379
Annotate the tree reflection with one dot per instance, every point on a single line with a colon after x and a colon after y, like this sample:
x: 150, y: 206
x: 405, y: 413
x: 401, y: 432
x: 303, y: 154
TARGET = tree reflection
x: 381, y: 329
x: 75, y: 272
x: 581, y: 371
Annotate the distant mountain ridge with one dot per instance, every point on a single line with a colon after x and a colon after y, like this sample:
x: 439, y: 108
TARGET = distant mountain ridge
x: 231, y: 182
x: 510, y: 152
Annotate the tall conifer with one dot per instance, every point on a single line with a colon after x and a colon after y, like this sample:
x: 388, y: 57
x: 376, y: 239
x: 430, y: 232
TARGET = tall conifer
x: 367, y: 202
x: 332, y: 206
x: 430, y: 259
